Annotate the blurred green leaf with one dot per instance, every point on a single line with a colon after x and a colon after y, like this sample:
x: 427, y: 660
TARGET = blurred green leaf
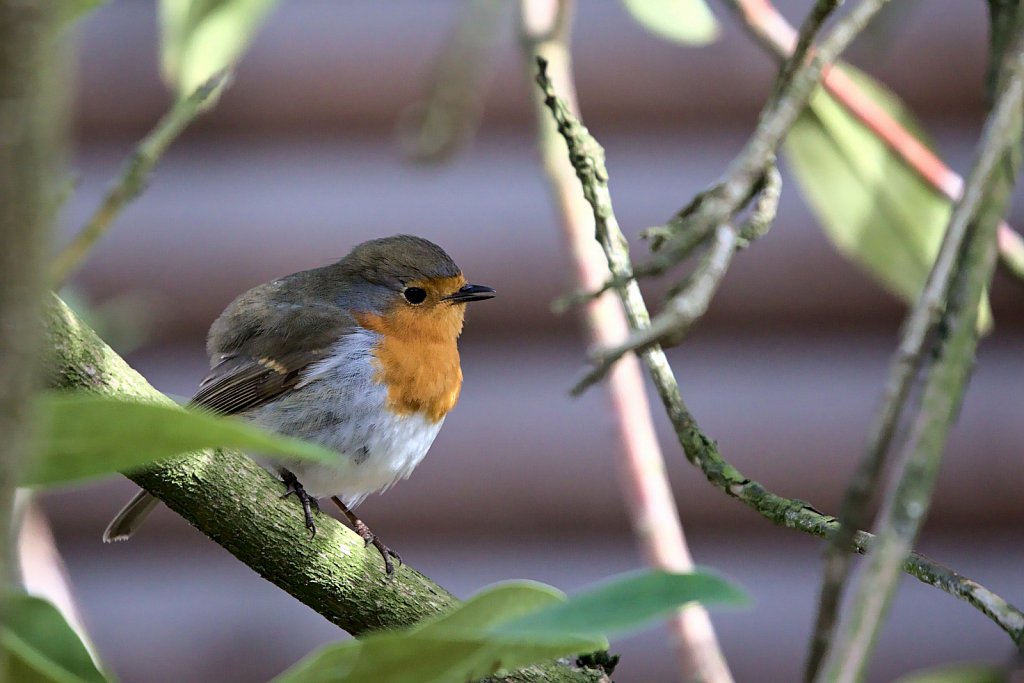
x: 681, y: 21
x: 201, y: 37
x: 454, y: 647
x: 626, y: 603
x: 876, y: 210
x: 957, y: 673
x: 507, y: 627
x: 41, y: 646
x: 86, y: 436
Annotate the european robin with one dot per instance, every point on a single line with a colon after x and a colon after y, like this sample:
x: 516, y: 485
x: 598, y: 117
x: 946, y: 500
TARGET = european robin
x: 359, y: 356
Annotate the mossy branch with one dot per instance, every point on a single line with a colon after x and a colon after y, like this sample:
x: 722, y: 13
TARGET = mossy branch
x: 238, y: 504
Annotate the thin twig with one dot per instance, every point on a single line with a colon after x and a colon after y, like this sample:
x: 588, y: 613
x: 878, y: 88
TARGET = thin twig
x: 681, y: 311
x: 717, y: 206
x: 701, y: 450
x: 769, y: 192
x: 689, y: 299
x: 696, y: 222
x: 812, y: 24
x: 134, y: 177
x: 948, y: 308
x: 780, y: 112
x: 775, y: 34
x: 648, y: 496
x: 1011, y: 252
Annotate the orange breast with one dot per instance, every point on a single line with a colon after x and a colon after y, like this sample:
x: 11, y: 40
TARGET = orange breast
x: 418, y: 358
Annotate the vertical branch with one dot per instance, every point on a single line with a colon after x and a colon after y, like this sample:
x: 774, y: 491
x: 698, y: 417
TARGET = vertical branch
x: 28, y: 138
x: 545, y: 32
x: 946, y: 313
x: 921, y: 325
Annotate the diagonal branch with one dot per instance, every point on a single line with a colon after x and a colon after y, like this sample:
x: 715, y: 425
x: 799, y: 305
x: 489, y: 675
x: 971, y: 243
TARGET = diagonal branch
x: 134, y: 177
x: 719, y: 205
x: 238, y: 504
x: 586, y: 155
x: 776, y: 35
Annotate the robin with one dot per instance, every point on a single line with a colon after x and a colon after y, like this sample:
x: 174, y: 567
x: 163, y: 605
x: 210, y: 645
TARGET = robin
x: 359, y: 356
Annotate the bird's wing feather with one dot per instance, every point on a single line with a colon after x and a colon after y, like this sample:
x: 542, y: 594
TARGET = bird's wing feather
x: 253, y: 370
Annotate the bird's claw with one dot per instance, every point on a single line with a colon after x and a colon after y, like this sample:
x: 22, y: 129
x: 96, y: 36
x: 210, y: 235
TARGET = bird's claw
x: 370, y: 538
x: 309, y: 503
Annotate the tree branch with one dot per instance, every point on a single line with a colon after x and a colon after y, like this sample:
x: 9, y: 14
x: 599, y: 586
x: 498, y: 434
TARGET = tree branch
x: 238, y: 504
x: 134, y: 177
x: 947, y: 313
x: 587, y: 158
x: 719, y: 205
x: 775, y: 34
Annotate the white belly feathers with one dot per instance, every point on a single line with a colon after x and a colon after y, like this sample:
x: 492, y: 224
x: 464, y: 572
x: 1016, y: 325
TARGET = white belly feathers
x: 345, y: 409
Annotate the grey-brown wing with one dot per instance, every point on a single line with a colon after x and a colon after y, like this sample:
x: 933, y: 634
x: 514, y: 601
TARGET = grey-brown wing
x: 266, y: 355
x: 240, y: 382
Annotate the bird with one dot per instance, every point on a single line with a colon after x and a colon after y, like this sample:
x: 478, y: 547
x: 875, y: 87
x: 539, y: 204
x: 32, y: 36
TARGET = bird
x: 359, y: 356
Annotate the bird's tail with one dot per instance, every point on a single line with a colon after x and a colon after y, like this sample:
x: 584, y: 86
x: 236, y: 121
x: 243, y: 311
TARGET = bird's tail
x: 130, y: 517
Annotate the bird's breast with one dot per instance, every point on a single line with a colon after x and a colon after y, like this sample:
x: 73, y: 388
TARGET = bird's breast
x: 342, y: 405
x: 420, y: 368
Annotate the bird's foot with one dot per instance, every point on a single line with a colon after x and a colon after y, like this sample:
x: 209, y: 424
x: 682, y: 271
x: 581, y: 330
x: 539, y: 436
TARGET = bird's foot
x: 370, y: 538
x: 309, y: 503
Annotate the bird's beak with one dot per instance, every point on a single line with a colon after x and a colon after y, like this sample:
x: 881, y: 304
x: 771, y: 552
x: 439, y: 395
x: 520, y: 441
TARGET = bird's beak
x: 470, y: 293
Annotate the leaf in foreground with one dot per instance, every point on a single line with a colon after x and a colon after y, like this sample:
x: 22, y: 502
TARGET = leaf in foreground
x: 875, y: 209
x: 41, y: 646
x: 507, y: 627
x: 957, y: 673
x: 625, y: 604
x: 689, y: 22
x: 86, y: 436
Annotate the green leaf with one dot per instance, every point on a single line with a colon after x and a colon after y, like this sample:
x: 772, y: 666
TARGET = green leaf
x: 876, y: 210
x: 957, y: 673
x: 507, y: 627
x: 41, y: 646
x: 86, y: 436
x: 455, y: 646
x: 681, y: 21
x: 627, y: 603
x: 201, y: 37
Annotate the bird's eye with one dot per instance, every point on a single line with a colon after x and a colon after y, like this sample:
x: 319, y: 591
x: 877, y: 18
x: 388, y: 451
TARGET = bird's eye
x: 415, y: 295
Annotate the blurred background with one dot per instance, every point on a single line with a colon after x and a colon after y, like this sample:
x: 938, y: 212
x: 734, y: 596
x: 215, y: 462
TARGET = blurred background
x: 299, y: 162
